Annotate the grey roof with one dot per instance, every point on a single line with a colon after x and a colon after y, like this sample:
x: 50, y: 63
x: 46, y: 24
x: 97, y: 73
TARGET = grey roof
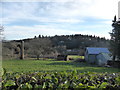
x: 94, y: 50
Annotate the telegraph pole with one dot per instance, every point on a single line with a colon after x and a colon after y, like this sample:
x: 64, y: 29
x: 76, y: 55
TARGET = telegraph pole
x: 22, y: 50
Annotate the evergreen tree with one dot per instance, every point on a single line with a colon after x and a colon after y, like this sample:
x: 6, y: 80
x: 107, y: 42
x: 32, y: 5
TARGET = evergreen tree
x: 39, y: 36
x: 35, y: 37
x: 115, y: 39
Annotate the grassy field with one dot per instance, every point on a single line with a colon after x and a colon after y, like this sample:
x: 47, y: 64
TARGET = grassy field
x: 52, y: 65
x: 75, y: 57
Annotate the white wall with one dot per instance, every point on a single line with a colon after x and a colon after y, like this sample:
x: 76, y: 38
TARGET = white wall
x: 86, y: 55
x: 102, y: 60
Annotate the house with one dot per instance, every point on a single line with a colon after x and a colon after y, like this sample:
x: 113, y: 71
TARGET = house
x: 98, y: 56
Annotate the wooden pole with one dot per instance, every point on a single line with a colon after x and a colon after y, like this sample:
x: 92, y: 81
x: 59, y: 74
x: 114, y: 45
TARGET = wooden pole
x: 22, y: 50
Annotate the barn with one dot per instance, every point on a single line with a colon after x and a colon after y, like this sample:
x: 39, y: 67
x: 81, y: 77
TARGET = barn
x: 98, y: 56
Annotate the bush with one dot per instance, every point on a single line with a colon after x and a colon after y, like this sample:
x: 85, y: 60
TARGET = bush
x: 114, y: 63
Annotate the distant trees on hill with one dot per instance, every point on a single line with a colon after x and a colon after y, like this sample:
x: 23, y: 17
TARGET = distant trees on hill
x: 10, y: 49
x: 54, y: 45
x: 79, y: 41
x: 39, y: 47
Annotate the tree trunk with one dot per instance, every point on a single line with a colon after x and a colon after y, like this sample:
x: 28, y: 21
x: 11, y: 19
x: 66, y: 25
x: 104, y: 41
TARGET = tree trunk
x: 38, y: 57
x: 43, y: 57
x: 12, y: 53
x: 114, y: 56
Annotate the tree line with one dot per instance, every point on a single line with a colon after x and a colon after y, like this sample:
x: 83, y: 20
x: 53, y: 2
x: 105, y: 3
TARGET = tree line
x: 51, y: 46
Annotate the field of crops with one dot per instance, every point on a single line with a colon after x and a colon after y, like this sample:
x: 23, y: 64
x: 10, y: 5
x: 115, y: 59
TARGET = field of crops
x: 32, y: 74
x: 61, y: 80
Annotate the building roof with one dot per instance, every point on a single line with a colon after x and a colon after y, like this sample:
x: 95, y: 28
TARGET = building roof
x: 94, y: 50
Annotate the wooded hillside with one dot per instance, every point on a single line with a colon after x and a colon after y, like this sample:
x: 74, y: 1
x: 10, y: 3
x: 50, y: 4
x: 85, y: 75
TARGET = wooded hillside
x: 51, y: 46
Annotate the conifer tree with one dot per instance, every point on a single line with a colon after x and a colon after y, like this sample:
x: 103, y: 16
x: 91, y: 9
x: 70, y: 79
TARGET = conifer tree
x: 115, y: 39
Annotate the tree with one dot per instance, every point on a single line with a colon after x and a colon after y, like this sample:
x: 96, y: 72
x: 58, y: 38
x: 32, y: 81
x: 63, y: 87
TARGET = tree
x: 61, y: 50
x: 35, y: 37
x: 40, y: 47
x: 11, y: 49
x: 115, y: 39
x: 39, y: 36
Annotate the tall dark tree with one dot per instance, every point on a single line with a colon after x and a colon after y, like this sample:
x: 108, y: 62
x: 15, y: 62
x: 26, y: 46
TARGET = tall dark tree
x: 39, y: 36
x: 35, y: 37
x: 115, y: 39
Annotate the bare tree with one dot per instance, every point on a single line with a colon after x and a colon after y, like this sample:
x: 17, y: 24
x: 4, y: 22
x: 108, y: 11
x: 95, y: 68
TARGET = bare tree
x: 40, y: 47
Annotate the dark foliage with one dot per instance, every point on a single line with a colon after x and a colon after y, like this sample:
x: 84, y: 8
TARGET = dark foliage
x: 115, y: 39
x: 61, y: 80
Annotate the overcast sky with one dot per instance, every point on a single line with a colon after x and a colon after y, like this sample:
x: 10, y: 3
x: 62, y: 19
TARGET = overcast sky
x: 29, y: 18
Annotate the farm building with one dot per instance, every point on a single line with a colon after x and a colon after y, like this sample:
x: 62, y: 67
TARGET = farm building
x: 98, y: 56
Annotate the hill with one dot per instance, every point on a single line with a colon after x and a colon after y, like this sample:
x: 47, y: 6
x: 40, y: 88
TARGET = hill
x: 51, y: 46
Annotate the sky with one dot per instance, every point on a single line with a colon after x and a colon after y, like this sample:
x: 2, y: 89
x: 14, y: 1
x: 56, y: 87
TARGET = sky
x: 28, y: 18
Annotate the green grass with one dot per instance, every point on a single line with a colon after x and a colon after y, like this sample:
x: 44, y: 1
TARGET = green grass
x: 75, y: 56
x: 52, y: 65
